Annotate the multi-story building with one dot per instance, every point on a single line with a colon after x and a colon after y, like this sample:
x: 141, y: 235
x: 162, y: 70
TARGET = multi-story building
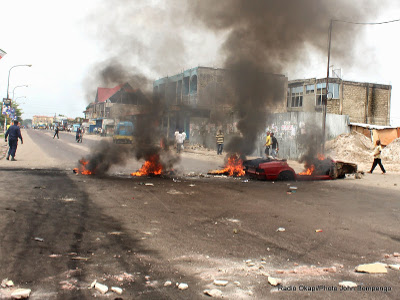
x: 42, y: 120
x: 114, y: 104
x: 199, y: 101
x: 362, y: 102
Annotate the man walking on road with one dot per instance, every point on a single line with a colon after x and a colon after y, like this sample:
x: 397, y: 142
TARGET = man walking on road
x: 56, y: 132
x: 377, y: 158
x: 13, y: 133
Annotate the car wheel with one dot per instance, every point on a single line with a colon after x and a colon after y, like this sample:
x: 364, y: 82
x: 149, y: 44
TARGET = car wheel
x: 286, y: 176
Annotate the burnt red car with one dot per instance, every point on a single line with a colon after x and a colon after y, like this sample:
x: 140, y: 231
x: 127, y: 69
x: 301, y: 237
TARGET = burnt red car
x: 269, y: 169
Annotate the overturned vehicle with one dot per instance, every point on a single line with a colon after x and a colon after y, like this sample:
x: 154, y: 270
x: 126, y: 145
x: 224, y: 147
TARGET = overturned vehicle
x: 278, y: 169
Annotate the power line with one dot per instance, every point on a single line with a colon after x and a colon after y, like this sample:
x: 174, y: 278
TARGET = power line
x: 367, y: 23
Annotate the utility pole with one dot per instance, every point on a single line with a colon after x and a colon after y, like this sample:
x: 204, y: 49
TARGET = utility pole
x: 326, y: 89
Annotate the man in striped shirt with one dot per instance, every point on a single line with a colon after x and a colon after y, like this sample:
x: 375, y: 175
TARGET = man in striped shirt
x: 220, y: 142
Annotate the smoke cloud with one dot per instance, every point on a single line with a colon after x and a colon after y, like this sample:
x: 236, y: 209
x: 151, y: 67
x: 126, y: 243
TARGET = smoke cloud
x: 271, y: 37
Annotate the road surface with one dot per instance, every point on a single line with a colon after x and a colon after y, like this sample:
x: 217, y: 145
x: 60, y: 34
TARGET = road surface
x: 60, y: 231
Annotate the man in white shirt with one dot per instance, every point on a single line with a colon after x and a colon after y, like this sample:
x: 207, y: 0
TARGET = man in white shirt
x: 180, y: 138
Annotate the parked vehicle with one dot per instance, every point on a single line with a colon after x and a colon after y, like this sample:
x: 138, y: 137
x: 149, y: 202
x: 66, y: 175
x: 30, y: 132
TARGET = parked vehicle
x: 123, y: 133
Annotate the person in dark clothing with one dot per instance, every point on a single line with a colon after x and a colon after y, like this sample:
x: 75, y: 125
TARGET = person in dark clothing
x: 13, y: 133
x: 78, y: 134
x: 274, y: 145
x: 56, y: 132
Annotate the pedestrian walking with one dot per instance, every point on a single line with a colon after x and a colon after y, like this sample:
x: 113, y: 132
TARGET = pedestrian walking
x: 377, y: 158
x: 220, y: 142
x: 179, y: 142
x: 267, y: 143
x: 274, y: 145
x: 56, y: 132
x: 13, y: 133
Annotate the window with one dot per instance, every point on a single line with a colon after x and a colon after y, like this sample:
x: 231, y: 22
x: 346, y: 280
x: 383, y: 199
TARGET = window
x: 321, y: 93
x: 297, y: 96
x: 310, y: 88
x: 333, y: 90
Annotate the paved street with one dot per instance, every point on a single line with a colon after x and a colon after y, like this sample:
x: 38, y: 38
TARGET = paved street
x: 61, y: 231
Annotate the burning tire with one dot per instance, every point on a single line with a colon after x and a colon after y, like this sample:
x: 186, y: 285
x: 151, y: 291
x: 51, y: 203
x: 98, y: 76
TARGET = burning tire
x: 286, y: 176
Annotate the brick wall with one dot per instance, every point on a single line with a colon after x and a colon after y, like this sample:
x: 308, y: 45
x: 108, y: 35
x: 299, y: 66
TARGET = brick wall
x: 355, y: 102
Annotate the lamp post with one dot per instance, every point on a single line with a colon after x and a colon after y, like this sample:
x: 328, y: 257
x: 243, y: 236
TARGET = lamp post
x: 8, y: 85
x: 18, y: 87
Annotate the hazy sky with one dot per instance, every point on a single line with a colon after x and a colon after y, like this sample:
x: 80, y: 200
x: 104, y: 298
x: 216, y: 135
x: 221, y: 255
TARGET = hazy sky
x: 63, y: 41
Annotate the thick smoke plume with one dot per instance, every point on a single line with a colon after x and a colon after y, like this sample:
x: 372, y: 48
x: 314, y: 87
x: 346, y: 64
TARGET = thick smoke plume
x: 272, y: 37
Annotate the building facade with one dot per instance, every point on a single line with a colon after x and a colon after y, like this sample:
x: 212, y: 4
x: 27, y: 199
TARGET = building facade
x: 362, y: 102
x: 42, y: 120
x: 201, y: 100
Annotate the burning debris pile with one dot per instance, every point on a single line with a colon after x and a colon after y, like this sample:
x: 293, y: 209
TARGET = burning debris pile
x: 152, y: 167
x: 233, y: 167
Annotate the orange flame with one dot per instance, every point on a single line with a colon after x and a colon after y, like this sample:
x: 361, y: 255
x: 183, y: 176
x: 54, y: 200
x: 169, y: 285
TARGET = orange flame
x: 234, y: 167
x: 82, y: 168
x: 151, y: 166
x: 310, y: 170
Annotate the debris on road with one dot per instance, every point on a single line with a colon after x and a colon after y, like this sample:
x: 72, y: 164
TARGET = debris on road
x: 174, y: 192
x: 396, y: 254
x: 115, y: 233
x: 245, y: 180
x: 318, y: 230
x: 40, y: 187
x: 168, y: 283
x: 21, y: 294
x: 149, y: 184
x: 175, y: 180
x: 274, y: 281
x: 80, y: 258
x: 348, y: 284
x: 54, y: 255
x: 214, y: 293
x: 237, y: 283
x: 7, y: 283
x: 375, y: 268
x: 38, y: 239
x: 116, y: 290
x: 102, y: 288
x: 220, y: 282
x: 281, y: 229
x: 183, y: 286
x: 235, y: 231
x: 395, y: 267
x: 191, y: 185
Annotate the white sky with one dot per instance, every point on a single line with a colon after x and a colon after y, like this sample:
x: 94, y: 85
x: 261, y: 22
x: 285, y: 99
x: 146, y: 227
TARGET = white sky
x: 55, y: 37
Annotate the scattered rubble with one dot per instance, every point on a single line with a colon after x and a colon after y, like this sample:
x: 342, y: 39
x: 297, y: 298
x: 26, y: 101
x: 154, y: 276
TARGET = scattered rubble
x: 116, y: 290
x: 102, y: 288
x: 214, y: 293
x: 38, y: 239
x: 7, y: 283
x: 274, y: 281
x: 348, y: 284
x: 183, y: 286
x: 220, y: 282
x: 21, y: 294
x: 395, y: 267
x: 281, y: 229
x: 375, y: 268
x: 168, y: 283
x: 149, y: 184
x: 174, y: 192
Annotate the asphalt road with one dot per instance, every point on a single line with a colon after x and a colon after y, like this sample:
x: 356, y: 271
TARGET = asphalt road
x: 60, y: 232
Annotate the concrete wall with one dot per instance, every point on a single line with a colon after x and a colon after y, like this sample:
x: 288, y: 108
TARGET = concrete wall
x: 288, y: 127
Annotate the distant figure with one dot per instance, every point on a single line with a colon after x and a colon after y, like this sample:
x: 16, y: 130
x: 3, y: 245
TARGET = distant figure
x: 78, y: 137
x: 274, y: 145
x: 377, y: 158
x: 220, y: 142
x: 13, y: 133
x: 183, y: 138
x: 179, y: 142
x: 56, y: 132
x: 267, y: 143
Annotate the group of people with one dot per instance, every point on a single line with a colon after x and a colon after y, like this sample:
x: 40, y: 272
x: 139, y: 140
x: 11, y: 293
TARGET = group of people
x: 271, y: 145
x: 78, y: 137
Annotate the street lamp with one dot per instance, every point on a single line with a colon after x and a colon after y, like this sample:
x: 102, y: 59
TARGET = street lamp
x: 8, y: 82
x: 8, y: 85
x: 18, y: 87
